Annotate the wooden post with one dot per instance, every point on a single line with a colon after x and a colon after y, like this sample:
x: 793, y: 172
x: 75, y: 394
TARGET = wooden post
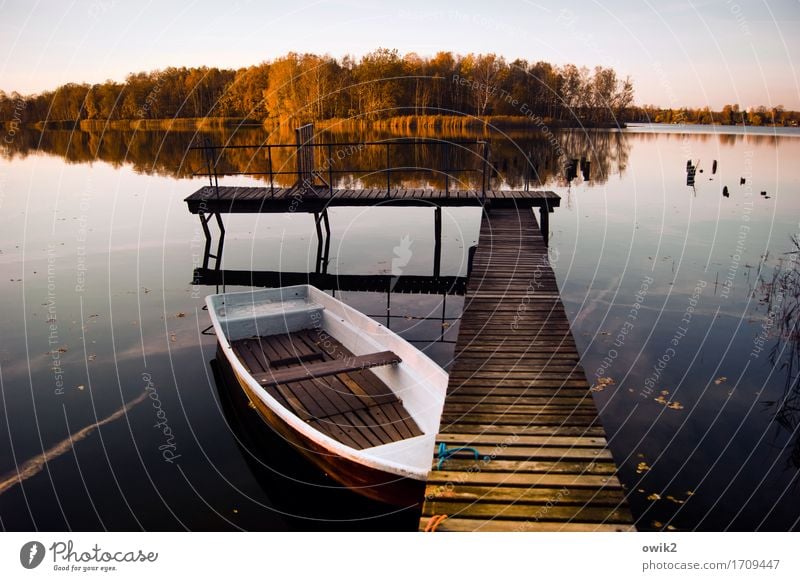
x: 544, y: 223
x: 317, y: 219
x: 304, y: 157
x: 437, y: 242
x: 327, y: 252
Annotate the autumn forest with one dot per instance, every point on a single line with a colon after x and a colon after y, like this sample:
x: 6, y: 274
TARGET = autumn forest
x: 382, y: 84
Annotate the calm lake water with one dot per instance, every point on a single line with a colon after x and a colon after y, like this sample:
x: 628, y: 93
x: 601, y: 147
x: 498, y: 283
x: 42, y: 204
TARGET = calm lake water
x: 685, y: 302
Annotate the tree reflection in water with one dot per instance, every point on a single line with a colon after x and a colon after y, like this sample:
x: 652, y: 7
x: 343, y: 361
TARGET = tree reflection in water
x: 166, y: 153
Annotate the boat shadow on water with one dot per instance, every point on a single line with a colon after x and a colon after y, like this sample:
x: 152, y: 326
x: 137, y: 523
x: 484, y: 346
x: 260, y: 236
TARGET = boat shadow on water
x: 307, y: 498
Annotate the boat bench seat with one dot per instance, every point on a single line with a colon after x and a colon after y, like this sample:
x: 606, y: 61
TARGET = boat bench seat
x: 325, y: 368
x: 319, y: 380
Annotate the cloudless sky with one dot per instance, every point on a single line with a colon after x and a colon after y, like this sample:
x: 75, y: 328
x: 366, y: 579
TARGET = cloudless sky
x: 693, y: 53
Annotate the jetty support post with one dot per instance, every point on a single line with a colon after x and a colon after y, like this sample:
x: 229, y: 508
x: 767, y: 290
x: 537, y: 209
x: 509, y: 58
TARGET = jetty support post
x: 211, y: 166
x: 330, y: 170
x: 485, y: 177
x: 204, y: 220
x: 437, y: 242
x: 445, y: 166
x: 388, y: 169
x: 323, y: 240
x: 304, y: 156
x: 544, y: 221
x: 271, y: 173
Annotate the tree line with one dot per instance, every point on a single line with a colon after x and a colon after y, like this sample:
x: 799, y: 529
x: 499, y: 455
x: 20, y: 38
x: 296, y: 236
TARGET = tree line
x: 729, y: 115
x: 308, y: 87
x: 305, y: 87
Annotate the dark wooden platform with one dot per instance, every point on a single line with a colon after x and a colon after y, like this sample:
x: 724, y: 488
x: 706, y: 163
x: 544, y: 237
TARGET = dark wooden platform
x: 346, y: 402
x: 407, y: 283
x: 518, y: 396
x: 231, y: 199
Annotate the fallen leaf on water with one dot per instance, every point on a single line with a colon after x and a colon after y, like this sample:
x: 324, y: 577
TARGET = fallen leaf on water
x: 673, y: 405
x: 602, y: 383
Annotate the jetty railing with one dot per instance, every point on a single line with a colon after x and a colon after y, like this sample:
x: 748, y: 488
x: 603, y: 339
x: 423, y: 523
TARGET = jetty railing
x: 322, y: 178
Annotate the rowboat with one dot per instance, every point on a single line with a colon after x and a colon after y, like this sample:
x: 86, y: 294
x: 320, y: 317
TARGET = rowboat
x: 352, y: 396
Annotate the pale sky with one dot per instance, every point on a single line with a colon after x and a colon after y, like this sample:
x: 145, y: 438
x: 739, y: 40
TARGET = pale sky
x: 694, y: 53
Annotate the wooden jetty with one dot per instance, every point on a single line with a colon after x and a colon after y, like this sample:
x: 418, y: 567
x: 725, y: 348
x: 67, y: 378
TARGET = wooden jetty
x: 215, y: 201
x: 520, y: 446
x: 518, y: 400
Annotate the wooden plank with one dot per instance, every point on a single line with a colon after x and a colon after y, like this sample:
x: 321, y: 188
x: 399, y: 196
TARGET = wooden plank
x: 317, y: 370
x: 298, y: 359
x: 502, y: 525
x: 555, y: 513
x: 338, y: 425
x: 512, y: 430
x: 320, y: 389
x: 540, y: 453
x: 264, y: 199
x: 445, y: 478
x: 381, y: 429
x: 318, y: 403
x: 397, y: 420
x: 364, y: 431
x: 538, y: 496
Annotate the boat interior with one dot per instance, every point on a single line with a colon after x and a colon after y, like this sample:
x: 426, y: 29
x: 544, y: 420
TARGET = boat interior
x: 318, y: 379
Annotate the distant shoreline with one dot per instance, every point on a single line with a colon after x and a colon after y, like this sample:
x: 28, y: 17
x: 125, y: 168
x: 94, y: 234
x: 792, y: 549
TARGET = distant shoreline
x: 406, y: 122
x: 399, y: 123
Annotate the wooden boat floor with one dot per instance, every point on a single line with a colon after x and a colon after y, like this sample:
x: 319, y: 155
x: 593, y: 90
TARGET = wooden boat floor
x: 355, y: 408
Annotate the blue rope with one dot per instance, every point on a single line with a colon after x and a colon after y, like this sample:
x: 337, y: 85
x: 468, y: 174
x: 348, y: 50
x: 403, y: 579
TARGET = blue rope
x: 445, y: 453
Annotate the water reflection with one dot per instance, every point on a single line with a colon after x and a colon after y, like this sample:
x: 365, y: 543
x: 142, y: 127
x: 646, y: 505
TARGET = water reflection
x: 538, y: 158
x: 379, y: 289
x: 780, y: 296
x: 633, y: 218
